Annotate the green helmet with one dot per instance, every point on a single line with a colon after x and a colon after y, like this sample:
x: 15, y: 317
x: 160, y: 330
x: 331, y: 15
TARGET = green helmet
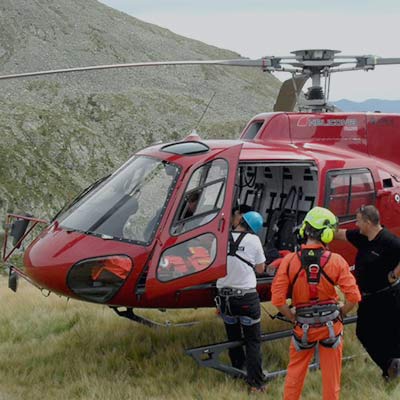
x: 321, y: 219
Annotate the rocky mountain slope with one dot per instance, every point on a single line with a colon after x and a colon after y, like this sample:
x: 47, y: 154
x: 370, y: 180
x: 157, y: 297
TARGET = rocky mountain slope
x: 60, y: 133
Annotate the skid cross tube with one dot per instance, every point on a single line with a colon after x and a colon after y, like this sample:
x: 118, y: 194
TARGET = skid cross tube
x: 208, y: 356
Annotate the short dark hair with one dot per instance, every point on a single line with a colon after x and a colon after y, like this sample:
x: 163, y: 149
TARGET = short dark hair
x: 369, y: 213
x: 243, y: 209
x: 313, y: 233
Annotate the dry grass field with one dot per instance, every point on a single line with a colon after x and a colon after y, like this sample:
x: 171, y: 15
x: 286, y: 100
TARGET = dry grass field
x: 51, y: 348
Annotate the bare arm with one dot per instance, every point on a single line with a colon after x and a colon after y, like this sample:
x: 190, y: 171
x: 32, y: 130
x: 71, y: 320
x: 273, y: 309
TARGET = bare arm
x: 348, y: 306
x: 260, y: 268
x: 340, y: 234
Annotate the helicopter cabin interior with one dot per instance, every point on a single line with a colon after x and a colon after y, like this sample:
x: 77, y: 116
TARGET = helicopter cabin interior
x: 282, y: 193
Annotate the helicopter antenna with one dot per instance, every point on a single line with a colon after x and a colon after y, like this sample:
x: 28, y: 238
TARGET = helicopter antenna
x: 205, y: 110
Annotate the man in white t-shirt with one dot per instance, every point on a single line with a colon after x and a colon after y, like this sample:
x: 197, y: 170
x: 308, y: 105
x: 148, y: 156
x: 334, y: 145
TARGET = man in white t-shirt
x: 238, y: 299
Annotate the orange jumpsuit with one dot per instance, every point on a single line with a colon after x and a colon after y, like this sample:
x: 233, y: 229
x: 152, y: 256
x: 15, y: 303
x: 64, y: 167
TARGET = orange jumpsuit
x: 338, y: 271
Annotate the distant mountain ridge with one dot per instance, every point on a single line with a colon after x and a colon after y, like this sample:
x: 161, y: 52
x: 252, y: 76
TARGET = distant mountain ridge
x: 372, y: 105
x: 60, y: 133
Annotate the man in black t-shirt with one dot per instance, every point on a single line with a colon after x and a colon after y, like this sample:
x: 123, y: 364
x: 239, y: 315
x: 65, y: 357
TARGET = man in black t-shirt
x: 377, y: 271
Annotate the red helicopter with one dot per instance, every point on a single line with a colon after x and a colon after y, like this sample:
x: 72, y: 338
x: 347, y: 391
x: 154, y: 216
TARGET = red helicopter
x: 154, y: 233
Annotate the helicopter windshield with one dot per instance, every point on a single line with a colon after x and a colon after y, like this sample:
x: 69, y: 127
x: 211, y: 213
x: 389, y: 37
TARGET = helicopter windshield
x: 129, y: 205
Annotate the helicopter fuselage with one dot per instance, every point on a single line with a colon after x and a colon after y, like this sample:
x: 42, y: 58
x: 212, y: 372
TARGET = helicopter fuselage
x: 137, y: 240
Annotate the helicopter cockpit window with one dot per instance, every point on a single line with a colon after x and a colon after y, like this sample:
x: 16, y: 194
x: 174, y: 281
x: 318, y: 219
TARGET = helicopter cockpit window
x: 186, y: 148
x: 187, y: 258
x: 203, y: 198
x: 129, y: 205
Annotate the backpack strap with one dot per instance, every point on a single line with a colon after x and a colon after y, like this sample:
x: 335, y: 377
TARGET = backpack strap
x: 291, y: 284
x: 324, y: 260
x: 234, y: 244
x: 299, y: 270
x: 234, y: 247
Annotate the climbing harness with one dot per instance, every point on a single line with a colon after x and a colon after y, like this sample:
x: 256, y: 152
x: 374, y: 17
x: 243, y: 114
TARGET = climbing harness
x: 315, y: 313
x: 226, y: 314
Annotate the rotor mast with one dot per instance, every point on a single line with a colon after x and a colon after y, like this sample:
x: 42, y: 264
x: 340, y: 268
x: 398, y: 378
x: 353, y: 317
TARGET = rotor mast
x: 316, y: 63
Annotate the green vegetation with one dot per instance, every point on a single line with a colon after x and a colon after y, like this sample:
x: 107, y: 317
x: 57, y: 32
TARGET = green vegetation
x: 51, y: 348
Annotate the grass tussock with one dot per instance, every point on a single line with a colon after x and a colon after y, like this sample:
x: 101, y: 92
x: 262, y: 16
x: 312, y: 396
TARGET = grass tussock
x: 54, y: 349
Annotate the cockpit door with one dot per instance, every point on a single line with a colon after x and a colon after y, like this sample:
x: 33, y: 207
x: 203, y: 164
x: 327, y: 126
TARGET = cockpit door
x: 191, y: 245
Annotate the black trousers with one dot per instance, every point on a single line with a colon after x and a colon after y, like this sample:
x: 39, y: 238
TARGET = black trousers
x: 245, y: 306
x: 378, y: 327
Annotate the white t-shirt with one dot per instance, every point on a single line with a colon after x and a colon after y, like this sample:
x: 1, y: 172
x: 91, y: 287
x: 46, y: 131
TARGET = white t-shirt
x: 239, y: 274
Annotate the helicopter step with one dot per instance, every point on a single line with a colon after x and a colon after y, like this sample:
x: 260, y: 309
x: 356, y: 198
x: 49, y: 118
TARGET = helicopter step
x: 128, y: 313
x: 208, y: 356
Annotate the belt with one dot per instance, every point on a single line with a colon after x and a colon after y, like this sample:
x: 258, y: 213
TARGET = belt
x: 227, y: 291
x: 395, y: 284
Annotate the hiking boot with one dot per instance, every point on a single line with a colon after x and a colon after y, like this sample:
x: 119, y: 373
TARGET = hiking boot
x: 393, y: 371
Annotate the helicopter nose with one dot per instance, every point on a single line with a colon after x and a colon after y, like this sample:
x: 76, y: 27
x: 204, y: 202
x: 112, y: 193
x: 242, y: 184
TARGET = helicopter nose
x: 74, y: 265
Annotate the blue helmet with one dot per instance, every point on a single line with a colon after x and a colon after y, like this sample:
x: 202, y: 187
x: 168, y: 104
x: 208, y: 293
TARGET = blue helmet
x: 254, y: 220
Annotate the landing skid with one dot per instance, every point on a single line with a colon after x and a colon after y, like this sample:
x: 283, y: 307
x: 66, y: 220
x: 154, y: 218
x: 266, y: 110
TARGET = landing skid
x: 128, y: 313
x: 208, y: 356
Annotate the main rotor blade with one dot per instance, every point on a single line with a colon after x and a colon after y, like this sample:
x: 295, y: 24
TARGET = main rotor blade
x: 369, y: 62
x: 387, y: 61
x: 290, y: 89
x: 243, y: 62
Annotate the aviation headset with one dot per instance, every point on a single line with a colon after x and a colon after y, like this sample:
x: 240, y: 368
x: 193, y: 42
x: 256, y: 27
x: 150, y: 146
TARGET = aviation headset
x: 322, y: 220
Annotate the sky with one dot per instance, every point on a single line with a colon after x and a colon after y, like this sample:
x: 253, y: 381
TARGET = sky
x: 256, y: 28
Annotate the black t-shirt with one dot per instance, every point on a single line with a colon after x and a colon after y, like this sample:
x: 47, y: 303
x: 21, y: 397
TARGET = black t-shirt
x: 374, y: 258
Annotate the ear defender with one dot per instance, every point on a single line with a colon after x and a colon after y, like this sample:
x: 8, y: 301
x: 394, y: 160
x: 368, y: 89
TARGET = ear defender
x: 327, y: 235
x: 323, y: 221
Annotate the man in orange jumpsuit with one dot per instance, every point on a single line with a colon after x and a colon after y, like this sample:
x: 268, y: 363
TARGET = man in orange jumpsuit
x: 309, y: 277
